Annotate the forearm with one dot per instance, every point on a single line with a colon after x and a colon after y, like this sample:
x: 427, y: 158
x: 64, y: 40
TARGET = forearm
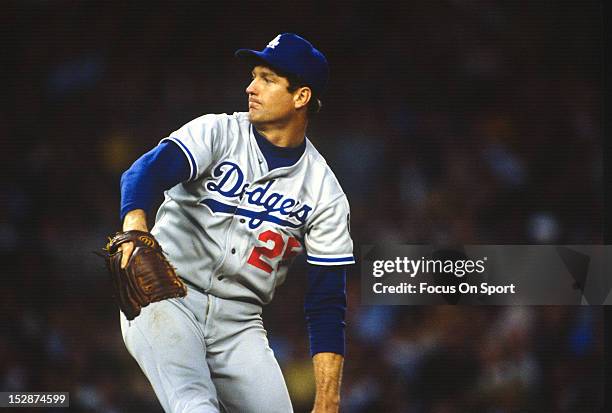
x: 325, y: 307
x: 328, y: 377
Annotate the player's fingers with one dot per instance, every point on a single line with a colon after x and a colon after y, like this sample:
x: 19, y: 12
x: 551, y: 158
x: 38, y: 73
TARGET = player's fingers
x: 126, y: 252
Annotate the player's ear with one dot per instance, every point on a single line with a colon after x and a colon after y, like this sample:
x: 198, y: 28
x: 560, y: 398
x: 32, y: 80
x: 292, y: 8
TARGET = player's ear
x: 302, y: 96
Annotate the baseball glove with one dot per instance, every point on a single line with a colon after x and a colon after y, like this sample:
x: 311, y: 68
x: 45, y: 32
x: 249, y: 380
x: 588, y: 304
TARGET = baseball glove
x: 148, y: 276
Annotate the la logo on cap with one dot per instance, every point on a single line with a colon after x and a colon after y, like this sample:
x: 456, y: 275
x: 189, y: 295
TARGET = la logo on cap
x: 274, y: 42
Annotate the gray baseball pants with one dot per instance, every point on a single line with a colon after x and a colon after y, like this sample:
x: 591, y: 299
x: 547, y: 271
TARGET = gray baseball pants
x: 202, y: 353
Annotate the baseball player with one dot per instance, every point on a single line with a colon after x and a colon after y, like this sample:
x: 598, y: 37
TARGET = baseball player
x: 244, y: 195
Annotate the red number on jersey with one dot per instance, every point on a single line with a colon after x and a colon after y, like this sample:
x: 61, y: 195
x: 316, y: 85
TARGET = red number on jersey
x: 293, y: 246
x: 255, y: 258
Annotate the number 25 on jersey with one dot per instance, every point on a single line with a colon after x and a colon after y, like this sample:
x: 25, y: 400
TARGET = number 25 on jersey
x: 265, y: 257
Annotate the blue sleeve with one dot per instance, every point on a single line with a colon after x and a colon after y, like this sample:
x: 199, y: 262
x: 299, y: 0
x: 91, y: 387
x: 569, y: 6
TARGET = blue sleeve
x: 325, y: 308
x: 157, y: 170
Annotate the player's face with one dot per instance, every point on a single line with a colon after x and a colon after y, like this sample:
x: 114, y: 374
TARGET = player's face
x: 269, y: 99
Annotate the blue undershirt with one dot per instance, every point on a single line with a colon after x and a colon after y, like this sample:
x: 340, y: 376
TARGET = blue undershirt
x: 325, y: 308
x: 166, y: 166
x: 276, y: 156
x: 157, y: 170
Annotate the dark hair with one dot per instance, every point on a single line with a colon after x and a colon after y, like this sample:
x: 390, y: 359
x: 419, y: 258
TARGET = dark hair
x: 315, y: 104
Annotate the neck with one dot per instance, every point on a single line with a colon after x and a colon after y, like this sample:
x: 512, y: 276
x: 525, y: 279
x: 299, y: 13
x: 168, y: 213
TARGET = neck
x: 287, y: 135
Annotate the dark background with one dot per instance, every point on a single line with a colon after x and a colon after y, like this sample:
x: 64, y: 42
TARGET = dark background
x: 458, y: 121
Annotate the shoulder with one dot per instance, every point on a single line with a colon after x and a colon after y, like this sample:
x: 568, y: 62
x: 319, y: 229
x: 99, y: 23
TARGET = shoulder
x: 216, y: 120
x: 320, y: 172
x: 214, y: 128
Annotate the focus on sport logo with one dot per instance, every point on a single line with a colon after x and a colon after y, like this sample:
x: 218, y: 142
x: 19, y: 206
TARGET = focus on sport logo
x: 274, y: 42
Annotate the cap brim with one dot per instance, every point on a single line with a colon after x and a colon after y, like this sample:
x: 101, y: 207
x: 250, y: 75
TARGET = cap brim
x: 252, y: 55
x: 255, y: 58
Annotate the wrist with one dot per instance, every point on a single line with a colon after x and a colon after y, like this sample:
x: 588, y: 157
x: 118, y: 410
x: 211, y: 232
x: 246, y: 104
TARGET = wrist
x: 326, y: 407
x: 135, y: 220
x: 327, y: 400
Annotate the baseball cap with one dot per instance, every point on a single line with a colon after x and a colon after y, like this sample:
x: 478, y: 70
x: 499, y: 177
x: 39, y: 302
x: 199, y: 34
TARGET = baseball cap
x: 292, y: 54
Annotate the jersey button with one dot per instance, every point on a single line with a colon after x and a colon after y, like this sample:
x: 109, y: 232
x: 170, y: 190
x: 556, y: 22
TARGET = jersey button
x: 233, y: 250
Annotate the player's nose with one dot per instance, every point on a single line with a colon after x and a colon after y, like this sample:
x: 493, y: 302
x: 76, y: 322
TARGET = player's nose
x: 250, y: 90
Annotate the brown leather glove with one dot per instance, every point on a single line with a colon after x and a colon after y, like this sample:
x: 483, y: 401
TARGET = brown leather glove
x: 148, y: 276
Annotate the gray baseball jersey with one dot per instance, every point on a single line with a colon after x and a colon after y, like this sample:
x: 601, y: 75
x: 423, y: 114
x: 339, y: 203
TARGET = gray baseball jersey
x: 234, y: 227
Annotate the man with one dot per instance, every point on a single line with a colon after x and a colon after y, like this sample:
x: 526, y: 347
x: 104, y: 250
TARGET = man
x: 247, y: 193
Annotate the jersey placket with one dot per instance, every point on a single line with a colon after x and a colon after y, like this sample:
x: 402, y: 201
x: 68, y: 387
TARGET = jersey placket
x: 221, y: 268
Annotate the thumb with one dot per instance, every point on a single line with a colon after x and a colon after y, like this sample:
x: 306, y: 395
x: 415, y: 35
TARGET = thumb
x: 126, y: 252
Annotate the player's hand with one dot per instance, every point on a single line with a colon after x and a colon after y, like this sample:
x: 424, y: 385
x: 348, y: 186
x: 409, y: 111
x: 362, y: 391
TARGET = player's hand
x: 146, y: 279
x: 126, y: 252
x: 135, y: 219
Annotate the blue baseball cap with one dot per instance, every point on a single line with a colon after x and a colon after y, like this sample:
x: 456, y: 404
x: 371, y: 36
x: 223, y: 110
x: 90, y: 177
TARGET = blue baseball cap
x: 292, y: 54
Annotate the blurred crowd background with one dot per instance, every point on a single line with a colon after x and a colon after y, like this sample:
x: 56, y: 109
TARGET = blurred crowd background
x: 457, y: 121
